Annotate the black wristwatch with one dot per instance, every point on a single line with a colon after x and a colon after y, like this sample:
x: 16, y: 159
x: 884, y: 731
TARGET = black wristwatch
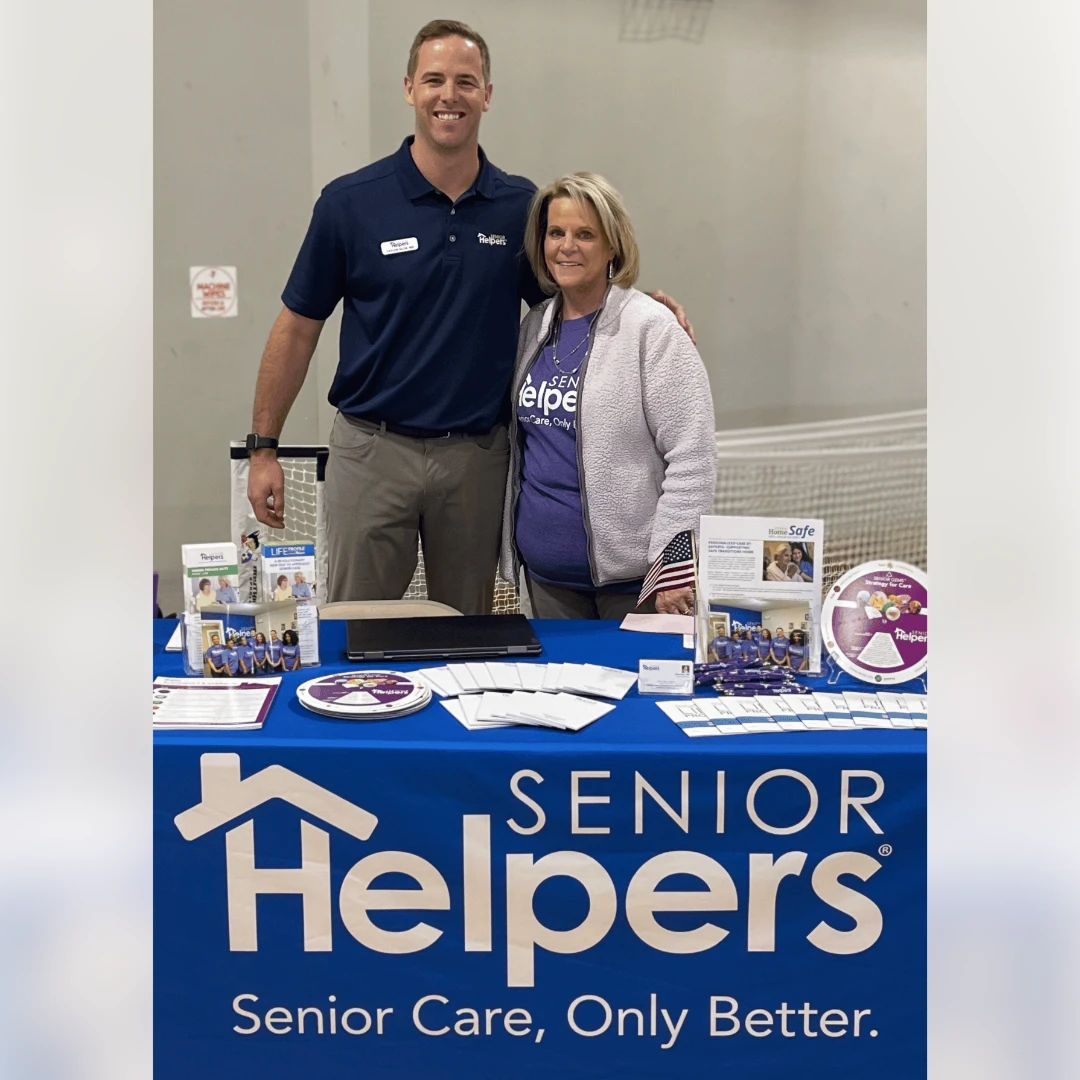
x: 260, y: 442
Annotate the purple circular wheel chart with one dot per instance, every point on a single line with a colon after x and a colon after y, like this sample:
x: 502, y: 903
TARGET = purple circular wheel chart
x: 874, y: 622
x: 363, y: 694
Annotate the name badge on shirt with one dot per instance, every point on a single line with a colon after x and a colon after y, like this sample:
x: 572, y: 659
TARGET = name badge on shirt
x: 396, y: 247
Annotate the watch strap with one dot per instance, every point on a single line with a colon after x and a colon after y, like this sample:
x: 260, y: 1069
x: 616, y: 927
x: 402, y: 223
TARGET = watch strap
x: 260, y: 442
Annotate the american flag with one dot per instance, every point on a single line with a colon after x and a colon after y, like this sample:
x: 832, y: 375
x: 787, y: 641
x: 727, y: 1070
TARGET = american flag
x: 674, y: 569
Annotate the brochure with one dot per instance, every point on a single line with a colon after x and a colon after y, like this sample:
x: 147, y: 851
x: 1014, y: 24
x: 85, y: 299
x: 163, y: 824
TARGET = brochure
x: 193, y: 703
x: 241, y: 640
x: 759, y: 591
x: 288, y: 572
x: 210, y: 575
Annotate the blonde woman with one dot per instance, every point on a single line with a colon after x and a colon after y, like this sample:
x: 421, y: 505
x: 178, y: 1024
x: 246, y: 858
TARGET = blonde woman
x: 612, y: 432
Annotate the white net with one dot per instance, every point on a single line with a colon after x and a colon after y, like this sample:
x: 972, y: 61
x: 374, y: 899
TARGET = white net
x: 655, y: 20
x: 304, y: 469
x: 866, y: 478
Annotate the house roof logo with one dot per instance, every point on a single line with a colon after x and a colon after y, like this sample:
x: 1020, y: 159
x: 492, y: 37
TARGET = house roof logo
x: 226, y: 797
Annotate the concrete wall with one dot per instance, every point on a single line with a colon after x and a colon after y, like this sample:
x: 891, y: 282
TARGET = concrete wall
x: 775, y: 173
x: 257, y: 103
x: 340, y: 138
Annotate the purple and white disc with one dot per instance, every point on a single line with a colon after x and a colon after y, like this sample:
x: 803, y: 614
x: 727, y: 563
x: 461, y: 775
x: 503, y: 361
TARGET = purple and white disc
x: 360, y: 694
x: 874, y: 622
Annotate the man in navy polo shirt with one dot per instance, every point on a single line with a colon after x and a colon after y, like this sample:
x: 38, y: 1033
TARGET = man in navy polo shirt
x: 425, y: 250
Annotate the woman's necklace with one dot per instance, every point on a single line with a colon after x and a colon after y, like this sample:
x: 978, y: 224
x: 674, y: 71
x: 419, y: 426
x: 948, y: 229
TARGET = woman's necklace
x: 555, y: 346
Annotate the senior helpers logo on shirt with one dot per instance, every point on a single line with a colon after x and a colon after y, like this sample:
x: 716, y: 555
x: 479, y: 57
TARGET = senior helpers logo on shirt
x: 554, y: 401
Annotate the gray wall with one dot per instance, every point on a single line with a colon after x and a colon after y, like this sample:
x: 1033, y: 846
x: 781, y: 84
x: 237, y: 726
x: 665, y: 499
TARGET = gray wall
x: 232, y: 186
x: 775, y: 172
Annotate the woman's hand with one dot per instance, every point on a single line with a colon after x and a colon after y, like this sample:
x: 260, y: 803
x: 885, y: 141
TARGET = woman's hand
x: 675, y: 602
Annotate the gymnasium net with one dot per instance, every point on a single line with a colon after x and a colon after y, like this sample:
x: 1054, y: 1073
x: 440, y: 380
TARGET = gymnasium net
x: 865, y: 477
x: 304, y: 468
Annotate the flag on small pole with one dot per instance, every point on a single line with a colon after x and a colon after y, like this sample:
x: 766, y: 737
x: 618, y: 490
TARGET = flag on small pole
x: 674, y: 569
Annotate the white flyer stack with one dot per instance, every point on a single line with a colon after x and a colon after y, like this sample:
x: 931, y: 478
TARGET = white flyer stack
x: 796, y: 712
x: 499, y: 694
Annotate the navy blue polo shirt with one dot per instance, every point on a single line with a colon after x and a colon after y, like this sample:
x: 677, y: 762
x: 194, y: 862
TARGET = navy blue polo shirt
x: 431, y: 292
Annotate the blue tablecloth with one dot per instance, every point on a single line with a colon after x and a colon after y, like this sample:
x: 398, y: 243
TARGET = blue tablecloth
x: 499, y: 895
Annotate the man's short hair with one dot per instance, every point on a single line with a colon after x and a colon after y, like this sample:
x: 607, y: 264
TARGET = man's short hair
x: 440, y: 28
x: 586, y: 189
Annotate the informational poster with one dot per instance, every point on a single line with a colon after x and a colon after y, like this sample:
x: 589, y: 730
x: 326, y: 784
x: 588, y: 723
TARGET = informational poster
x: 213, y: 292
x: 759, y: 584
x: 875, y: 622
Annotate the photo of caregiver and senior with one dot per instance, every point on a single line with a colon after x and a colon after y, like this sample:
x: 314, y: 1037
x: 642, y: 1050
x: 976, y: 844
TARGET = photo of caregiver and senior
x: 612, y: 433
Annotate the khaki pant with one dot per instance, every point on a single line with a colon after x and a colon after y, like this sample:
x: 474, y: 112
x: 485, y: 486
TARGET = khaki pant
x: 384, y: 490
x: 555, y: 602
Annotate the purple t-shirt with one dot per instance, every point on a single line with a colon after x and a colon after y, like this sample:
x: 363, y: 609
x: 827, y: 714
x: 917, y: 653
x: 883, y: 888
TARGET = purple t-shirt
x: 549, y: 529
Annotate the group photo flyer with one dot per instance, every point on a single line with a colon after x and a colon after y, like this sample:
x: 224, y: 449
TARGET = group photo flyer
x: 759, y: 590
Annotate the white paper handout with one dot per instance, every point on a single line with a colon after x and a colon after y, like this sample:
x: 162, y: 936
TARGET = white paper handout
x: 658, y: 624
x: 752, y: 714
x: 481, y: 676
x: 504, y: 675
x: 763, y: 574
x: 809, y: 712
x: 531, y: 676
x: 916, y: 704
x: 781, y: 709
x: 441, y: 680
x: 565, y: 711
x: 239, y: 705
x: 895, y: 706
x: 552, y: 675
x: 595, y: 679
x: 456, y: 708
x: 835, y: 709
x: 867, y: 710
x: 494, y: 706
x: 689, y: 717
x: 464, y: 677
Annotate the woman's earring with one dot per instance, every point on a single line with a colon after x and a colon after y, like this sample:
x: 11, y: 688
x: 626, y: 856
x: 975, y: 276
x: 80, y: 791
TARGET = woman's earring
x: 610, y: 270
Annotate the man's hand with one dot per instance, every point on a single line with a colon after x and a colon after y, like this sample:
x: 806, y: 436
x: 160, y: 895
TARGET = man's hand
x: 266, y: 488
x: 675, y: 602
x: 677, y: 309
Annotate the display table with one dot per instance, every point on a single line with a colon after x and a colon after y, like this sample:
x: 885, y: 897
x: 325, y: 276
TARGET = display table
x: 407, y: 898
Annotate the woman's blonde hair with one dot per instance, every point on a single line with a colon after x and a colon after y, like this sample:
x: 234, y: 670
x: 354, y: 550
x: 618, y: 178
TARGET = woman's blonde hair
x: 586, y: 189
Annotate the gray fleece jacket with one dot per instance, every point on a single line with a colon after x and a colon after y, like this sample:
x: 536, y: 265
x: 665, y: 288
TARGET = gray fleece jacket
x: 645, y: 434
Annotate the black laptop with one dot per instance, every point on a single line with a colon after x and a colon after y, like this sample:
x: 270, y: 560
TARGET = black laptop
x: 448, y: 637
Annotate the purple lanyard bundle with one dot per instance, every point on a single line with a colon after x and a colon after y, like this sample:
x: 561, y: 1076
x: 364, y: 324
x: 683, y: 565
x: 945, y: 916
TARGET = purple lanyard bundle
x: 745, y: 678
